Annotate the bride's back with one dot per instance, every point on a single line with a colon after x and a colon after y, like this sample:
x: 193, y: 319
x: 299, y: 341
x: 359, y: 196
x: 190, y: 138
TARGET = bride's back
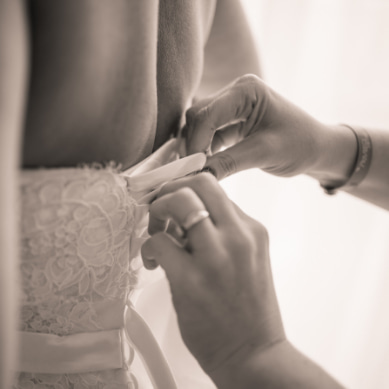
x: 103, y: 74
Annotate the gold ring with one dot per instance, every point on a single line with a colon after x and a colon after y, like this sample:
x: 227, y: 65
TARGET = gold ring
x: 193, y: 218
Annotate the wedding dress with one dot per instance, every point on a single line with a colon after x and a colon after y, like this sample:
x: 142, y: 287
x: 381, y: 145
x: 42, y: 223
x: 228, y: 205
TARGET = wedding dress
x: 81, y: 231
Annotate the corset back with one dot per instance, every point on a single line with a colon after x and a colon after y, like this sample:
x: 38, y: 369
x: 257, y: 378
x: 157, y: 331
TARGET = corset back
x: 80, y: 239
x: 81, y: 233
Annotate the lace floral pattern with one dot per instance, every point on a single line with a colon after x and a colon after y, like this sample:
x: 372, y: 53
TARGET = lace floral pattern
x: 78, y: 247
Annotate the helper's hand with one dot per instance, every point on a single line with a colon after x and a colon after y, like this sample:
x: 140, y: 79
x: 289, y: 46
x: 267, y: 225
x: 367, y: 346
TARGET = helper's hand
x: 219, y: 273
x: 258, y: 127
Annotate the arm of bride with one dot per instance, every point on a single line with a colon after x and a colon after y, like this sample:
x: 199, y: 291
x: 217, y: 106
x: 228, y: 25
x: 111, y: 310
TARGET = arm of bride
x: 230, y: 49
x: 13, y: 61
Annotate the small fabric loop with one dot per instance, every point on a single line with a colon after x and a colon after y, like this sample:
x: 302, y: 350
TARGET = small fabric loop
x: 162, y: 166
x: 142, y: 339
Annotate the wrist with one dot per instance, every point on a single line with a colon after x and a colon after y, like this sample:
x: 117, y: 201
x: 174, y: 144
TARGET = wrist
x: 246, y: 372
x: 280, y: 365
x: 337, y: 151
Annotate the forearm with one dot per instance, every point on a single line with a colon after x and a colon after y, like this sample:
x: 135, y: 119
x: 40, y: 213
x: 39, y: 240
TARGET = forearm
x: 278, y: 367
x: 230, y: 51
x: 336, y: 160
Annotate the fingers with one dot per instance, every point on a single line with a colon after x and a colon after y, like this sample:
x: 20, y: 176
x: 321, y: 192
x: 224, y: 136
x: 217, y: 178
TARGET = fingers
x: 236, y: 103
x: 183, y: 206
x: 209, y: 192
x: 245, y: 154
x: 227, y: 136
x: 162, y: 249
x: 176, y: 202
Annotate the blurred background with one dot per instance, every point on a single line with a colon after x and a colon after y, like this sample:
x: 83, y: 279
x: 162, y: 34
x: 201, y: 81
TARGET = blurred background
x: 330, y: 254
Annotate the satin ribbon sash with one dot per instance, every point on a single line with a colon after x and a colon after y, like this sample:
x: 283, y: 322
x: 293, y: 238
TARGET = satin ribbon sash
x: 77, y: 353
x: 96, y: 351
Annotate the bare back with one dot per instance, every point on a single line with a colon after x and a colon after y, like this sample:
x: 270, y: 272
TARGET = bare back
x: 110, y: 80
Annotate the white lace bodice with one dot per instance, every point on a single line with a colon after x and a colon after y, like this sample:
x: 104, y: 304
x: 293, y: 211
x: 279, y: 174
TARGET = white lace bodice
x: 81, y: 232
x: 77, y: 227
x: 78, y: 262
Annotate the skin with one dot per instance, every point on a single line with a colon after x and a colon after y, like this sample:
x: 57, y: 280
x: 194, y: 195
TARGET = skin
x: 85, y: 81
x: 223, y: 292
x: 141, y: 96
x: 71, y: 117
x: 261, y: 129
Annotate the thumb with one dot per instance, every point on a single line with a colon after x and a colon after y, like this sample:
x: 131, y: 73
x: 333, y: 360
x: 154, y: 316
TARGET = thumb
x: 243, y: 155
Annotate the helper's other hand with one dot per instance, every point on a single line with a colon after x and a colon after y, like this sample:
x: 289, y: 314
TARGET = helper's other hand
x: 219, y: 272
x: 258, y: 128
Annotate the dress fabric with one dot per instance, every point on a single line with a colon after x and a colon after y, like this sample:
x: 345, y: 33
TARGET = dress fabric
x: 81, y: 232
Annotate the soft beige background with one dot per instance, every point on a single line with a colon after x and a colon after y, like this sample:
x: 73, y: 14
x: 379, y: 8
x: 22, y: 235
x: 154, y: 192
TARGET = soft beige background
x: 330, y: 255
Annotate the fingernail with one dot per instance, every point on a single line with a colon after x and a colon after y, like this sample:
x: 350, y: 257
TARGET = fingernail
x: 150, y: 264
x: 147, y: 257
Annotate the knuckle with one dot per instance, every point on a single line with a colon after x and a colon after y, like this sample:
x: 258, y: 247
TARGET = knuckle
x: 181, y: 194
x: 249, y: 79
x: 244, y: 241
x: 184, y: 192
x: 258, y: 230
x: 206, y: 183
x: 237, y: 239
x: 262, y: 233
x: 255, y: 90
